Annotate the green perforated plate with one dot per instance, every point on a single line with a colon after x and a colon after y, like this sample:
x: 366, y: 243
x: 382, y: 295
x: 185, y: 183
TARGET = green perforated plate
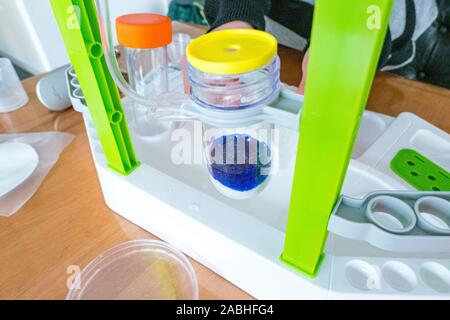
x: 420, y: 172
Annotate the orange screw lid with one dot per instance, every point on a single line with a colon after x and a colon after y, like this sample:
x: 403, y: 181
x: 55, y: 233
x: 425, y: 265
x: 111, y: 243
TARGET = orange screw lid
x: 144, y: 31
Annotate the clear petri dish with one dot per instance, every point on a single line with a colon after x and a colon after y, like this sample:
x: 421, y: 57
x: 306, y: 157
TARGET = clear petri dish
x: 137, y: 270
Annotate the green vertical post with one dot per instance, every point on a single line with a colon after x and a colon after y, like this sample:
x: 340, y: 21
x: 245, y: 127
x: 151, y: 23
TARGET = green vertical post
x: 78, y: 24
x: 347, y: 39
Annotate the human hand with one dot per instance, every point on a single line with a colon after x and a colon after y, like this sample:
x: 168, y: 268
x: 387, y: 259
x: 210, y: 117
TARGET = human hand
x: 234, y: 25
x: 301, y: 87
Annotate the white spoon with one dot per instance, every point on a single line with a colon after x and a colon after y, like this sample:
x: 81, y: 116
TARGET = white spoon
x: 17, y: 162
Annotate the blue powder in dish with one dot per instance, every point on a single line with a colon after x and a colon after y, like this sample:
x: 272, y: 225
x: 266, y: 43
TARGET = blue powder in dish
x: 239, y: 161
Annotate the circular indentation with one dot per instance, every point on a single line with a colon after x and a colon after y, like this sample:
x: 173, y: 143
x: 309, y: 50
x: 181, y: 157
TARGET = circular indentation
x: 436, y: 189
x: 362, y: 275
x: 410, y: 163
x: 414, y: 174
x: 78, y: 93
x: 72, y: 72
x: 436, y: 276
x: 391, y: 214
x: 399, y: 276
x: 432, y: 178
x: 74, y: 82
x: 116, y: 117
x: 433, y: 215
x: 95, y: 50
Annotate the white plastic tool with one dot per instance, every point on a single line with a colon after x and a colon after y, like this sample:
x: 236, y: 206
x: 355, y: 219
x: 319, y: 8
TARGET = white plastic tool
x: 17, y: 162
x: 386, y: 220
x: 433, y: 215
x: 52, y: 92
x: 391, y: 214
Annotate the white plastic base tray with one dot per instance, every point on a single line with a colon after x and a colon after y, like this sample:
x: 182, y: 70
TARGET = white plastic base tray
x: 242, y: 240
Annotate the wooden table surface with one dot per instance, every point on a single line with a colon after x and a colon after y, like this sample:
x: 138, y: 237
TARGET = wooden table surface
x: 67, y: 222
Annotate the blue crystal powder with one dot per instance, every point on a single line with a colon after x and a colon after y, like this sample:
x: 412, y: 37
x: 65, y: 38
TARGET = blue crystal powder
x: 239, y: 161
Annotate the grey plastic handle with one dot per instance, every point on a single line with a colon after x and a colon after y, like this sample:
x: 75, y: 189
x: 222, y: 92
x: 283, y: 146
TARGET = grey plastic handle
x: 394, y: 207
x: 434, y: 206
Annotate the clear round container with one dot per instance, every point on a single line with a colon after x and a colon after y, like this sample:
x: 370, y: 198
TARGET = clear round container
x: 137, y: 270
x: 239, y: 160
x: 235, y: 91
x: 12, y: 93
x: 147, y: 70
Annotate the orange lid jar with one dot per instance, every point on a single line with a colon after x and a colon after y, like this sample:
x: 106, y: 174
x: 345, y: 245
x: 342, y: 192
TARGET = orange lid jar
x: 144, y: 38
x: 144, y: 30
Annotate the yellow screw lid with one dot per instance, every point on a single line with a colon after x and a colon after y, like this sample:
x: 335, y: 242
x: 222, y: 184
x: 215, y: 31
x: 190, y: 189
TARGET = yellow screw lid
x: 232, y: 51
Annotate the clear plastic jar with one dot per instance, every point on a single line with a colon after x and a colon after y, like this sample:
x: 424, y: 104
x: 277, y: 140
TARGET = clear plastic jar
x: 147, y: 70
x: 235, y: 91
x: 144, y: 38
x: 233, y: 69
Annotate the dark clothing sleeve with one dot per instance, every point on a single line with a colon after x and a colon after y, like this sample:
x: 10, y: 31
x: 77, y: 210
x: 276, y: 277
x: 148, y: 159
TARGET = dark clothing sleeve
x: 219, y: 12
x: 386, y: 51
x: 293, y: 14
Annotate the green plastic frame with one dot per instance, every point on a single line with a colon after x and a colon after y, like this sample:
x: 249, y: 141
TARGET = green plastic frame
x: 78, y: 24
x: 346, y: 43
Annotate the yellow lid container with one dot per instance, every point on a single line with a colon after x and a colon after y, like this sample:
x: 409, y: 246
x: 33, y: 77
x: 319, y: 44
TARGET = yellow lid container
x: 231, y: 51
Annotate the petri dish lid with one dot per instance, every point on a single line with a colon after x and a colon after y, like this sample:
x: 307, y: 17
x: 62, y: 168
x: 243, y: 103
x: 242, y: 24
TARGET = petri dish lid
x: 232, y: 51
x: 137, y: 270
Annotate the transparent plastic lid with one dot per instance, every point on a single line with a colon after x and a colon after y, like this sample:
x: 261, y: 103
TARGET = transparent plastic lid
x: 137, y: 270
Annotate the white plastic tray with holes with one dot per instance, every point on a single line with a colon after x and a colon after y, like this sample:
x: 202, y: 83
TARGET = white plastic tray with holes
x: 242, y: 240
x: 400, y: 270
